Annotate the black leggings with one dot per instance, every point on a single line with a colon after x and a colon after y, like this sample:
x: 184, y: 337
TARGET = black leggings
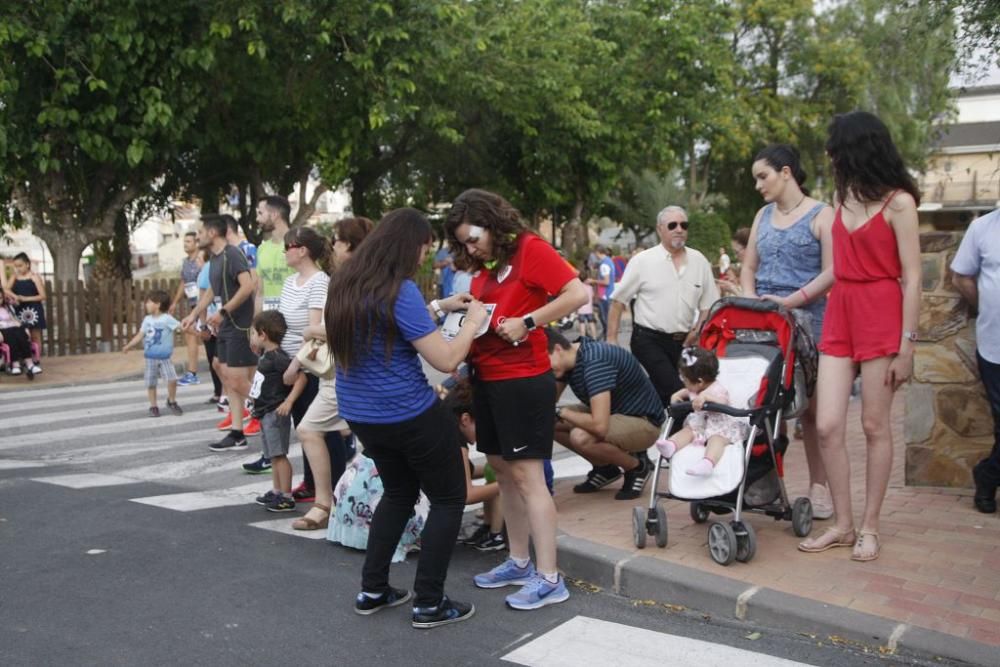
x: 422, y: 453
x: 210, y: 354
x: 19, y: 341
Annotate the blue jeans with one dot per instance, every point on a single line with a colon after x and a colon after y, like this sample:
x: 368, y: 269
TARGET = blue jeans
x: 603, y: 308
x: 989, y: 468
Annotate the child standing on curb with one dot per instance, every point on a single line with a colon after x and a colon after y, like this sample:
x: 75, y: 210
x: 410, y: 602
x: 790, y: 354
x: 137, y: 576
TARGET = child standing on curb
x: 157, y: 336
x: 272, y: 405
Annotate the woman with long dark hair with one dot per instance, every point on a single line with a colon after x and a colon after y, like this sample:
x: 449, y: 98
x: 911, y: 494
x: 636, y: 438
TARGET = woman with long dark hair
x: 788, y: 247
x: 871, y: 317
x: 376, y: 325
x: 514, y: 389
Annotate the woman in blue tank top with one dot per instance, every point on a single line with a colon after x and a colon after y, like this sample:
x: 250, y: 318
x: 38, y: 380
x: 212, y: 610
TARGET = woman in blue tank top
x: 790, y: 245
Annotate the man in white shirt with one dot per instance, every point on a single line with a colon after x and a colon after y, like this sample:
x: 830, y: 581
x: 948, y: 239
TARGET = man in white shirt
x: 673, y: 288
x: 976, y: 270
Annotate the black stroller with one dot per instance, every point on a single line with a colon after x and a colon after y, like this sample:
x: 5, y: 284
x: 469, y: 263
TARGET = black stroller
x: 767, y: 362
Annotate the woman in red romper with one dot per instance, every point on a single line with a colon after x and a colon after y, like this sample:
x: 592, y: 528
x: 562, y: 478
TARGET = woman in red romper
x: 517, y: 274
x: 871, y: 318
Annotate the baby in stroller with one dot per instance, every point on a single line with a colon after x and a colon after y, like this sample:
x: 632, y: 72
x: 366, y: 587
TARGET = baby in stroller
x: 699, y: 371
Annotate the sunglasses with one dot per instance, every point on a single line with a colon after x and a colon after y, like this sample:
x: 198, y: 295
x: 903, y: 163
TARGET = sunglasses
x: 673, y: 225
x: 289, y: 246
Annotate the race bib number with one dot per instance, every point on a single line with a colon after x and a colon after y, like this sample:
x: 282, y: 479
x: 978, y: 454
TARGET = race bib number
x: 191, y: 290
x: 453, y: 322
x: 255, y: 386
x: 271, y: 302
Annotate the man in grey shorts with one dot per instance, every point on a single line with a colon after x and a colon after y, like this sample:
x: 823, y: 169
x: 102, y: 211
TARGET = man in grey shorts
x: 620, y: 416
x: 231, y: 289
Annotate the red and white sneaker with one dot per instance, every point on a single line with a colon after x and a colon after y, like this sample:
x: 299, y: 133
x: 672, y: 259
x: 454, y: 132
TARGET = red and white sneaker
x: 252, y: 427
x: 227, y: 423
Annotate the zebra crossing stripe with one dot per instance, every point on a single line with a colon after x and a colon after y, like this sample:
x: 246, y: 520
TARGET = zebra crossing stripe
x: 16, y: 464
x: 100, y: 395
x: 284, y: 526
x: 204, y: 500
x: 86, y: 480
x: 589, y: 641
x: 137, y: 427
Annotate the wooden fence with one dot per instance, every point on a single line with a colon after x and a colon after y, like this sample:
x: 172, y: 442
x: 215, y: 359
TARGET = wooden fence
x: 101, y: 316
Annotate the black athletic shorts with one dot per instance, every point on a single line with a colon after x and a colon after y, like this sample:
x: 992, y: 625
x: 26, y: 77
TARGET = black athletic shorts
x: 233, y: 348
x: 516, y: 418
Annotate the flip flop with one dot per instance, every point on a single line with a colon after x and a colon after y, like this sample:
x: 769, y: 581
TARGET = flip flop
x: 843, y: 538
x: 873, y: 555
x: 305, y: 523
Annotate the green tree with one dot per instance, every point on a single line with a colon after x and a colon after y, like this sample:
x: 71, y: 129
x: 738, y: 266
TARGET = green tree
x: 94, y: 100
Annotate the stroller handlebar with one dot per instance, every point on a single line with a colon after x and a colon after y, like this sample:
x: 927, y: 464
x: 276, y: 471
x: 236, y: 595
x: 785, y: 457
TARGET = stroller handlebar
x: 677, y: 410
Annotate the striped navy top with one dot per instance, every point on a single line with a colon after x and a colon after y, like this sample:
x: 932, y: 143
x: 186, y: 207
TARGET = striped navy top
x: 601, y: 367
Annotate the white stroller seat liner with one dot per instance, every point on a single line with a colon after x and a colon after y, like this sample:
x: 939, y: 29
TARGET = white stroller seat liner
x: 741, y: 377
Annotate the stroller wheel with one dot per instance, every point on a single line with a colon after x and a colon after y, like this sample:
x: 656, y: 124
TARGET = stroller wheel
x: 699, y: 513
x: 639, y: 527
x: 802, y: 517
x: 661, y: 526
x: 746, y: 541
x: 722, y: 543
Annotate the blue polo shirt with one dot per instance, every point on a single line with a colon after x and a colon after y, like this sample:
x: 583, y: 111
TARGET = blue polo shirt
x: 377, y: 390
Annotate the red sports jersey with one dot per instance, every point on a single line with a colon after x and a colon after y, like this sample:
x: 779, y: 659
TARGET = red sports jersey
x: 536, y: 272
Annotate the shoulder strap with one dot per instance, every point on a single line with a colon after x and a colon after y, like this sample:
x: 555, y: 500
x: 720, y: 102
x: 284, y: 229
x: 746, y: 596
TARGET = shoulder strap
x: 888, y: 199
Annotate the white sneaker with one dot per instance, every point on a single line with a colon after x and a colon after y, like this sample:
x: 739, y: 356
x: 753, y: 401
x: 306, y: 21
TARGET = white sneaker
x: 36, y: 369
x: 15, y: 368
x: 821, y: 503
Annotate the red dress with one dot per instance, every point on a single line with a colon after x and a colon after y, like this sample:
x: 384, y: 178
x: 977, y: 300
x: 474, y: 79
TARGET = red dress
x: 864, y: 316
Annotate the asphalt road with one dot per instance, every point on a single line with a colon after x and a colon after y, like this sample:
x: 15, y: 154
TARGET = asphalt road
x: 88, y: 576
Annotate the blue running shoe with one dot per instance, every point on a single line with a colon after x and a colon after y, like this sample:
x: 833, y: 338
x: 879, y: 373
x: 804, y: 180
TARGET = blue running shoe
x: 187, y: 379
x: 538, y: 593
x: 506, y: 573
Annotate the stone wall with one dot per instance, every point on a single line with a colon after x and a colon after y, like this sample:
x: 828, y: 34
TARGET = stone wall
x: 947, y: 427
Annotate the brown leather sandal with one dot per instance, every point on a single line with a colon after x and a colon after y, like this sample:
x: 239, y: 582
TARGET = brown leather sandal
x: 840, y: 538
x: 305, y: 523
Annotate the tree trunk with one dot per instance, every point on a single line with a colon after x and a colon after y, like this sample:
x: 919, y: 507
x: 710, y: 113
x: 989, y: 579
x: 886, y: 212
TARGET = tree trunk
x: 66, y: 246
x: 359, y: 191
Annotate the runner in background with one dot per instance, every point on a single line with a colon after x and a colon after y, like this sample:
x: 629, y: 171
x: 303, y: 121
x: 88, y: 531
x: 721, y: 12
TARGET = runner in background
x: 188, y: 291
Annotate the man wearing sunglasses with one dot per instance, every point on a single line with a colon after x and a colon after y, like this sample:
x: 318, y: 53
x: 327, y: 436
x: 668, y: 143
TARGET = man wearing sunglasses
x: 673, y: 288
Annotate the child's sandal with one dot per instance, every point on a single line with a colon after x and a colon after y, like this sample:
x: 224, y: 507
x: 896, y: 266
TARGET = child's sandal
x: 862, y: 556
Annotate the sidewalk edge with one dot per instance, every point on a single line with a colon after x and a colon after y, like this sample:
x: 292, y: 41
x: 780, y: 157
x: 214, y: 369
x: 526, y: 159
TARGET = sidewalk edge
x: 633, y: 575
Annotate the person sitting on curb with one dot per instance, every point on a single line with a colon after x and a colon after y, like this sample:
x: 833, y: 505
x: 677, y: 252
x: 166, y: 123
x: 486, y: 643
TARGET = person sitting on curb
x: 619, y: 419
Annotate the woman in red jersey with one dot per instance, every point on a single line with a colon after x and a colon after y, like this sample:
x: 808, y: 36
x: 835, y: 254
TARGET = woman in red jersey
x: 871, y: 317
x: 516, y: 275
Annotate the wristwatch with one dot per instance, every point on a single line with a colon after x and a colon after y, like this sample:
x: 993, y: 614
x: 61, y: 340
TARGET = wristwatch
x: 223, y: 312
x: 559, y: 411
x: 529, y: 322
x: 910, y: 336
x: 436, y: 307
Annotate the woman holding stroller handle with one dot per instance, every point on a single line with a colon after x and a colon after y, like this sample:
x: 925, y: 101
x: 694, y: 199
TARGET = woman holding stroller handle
x: 788, y: 248
x: 514, y: 391
x: 871, y: 318
x: 376, y: 325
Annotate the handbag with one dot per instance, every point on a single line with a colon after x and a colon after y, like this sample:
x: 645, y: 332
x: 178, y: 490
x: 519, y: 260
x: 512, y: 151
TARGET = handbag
x: 315, y: 357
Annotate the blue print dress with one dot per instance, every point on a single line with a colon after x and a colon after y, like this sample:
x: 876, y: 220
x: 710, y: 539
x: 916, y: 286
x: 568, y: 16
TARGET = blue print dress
x: 358, y: 493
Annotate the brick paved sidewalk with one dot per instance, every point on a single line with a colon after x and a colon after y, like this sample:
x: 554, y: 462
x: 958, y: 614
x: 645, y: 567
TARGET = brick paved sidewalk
x: 940, y: 562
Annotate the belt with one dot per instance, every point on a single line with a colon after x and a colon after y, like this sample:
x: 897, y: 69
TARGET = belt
x: 676, y: 336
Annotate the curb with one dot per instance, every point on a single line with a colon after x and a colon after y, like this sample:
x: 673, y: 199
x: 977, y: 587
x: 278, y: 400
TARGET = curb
x: 634, y: 576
